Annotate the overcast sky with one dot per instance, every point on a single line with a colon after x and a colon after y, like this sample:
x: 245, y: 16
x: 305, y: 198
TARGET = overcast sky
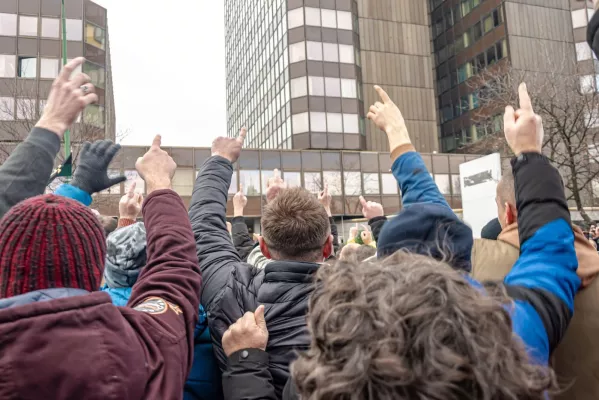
x: 168, y: 63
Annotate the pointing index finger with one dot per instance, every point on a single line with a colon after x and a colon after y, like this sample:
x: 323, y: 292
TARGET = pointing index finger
x: 382, y: 94
x: 131, y: 190
x: 242, y: 133
x: 363, y: 202
x: 525, y: 102
x: 69, y: 68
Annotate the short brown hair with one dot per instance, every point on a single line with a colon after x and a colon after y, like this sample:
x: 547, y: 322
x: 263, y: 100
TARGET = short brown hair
x: 411, y: 327
x: 295, y: 225
x: 506, y: 189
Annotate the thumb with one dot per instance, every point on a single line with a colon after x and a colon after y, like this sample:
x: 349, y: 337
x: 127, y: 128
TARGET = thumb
x: 117, y: 180
x: 260, y: 319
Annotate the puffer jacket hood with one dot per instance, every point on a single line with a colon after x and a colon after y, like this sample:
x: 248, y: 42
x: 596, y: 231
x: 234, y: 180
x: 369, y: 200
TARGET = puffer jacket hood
x: 125, y: 255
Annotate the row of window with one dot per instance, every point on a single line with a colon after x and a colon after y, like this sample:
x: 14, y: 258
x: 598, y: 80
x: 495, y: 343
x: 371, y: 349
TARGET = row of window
x: 318, y: 51
x: 466, y: 103
x: 470, y: 134
x: 27, y: 67
x: 319, y: 86
x: 326, y: 122
x: 50, y: 28
x: 12, y: 109
x: 453, y: 15
x: 319, y: 17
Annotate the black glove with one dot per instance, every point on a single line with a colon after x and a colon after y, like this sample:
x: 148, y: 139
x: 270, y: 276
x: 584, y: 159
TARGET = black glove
x: 91, y: 174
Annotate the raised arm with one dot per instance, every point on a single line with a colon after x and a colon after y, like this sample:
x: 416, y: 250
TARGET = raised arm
x: 408, y: 167
x: 207, y: 212
x: 375, y: 214
x: 27, y: 171
x: 239, y: 231
x: 543, y: 281
x: 326, y: 199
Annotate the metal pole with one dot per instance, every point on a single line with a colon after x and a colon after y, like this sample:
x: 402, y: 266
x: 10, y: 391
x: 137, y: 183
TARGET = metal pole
x: 67, y: 135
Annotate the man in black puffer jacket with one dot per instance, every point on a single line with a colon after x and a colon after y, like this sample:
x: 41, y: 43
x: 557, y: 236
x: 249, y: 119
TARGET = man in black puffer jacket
x: 296, y: 235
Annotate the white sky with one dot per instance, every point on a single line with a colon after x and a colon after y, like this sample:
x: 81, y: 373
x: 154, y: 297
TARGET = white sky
x: 160, y: 84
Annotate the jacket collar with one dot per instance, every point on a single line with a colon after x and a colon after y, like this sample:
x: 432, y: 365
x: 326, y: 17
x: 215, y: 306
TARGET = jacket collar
x: 290, y: 271
x: 509, y: 235
x: 39, y: 296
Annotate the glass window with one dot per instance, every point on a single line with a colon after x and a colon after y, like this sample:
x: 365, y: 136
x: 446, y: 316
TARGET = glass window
x: 233, y: 187
x: 344, y: 20
x: 183, y: 182
x: 94, y: 115
x: 293, y: 179
x: 27, y: 67
x: 491, y: 56
x: 76, y: 71
x: 316, y: 85
x: 133, y: 176
x: 333, y: 87
x: 318, y: 122
x: 583, y: 51
x: 334, y: 123
x: 74, y: 29
x: 7, y: 66
x: 312, y: 182
x: 295, y: 18
x: 333, y: 180
x: 312, y: 16
x: 27, y: 26
x: 250, y: 181
x: 7, y: 108
x: 329, y: 18
x: 8, y: 24
x: 50, y: 28
x: 442, y: 181
x: 348, y: 88
x: 488, y: 23
x: 455, y: 184
x: 49, y: 68
x: 351, y: 123
x: 346, y: 53
x: 299, y: 87
x: 297, y: 52
x: 314, y: 51
x: 96, y: 73
x: 353, y: 183
x: 266, y: 175
x: 300, y: 123
x: 95, y: 36
x: 371, y: 183
x: 331, y: 52
x: 389, y: 184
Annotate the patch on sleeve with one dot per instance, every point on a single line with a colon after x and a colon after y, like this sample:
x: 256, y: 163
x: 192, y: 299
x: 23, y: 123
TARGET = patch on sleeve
x: 152, y: 305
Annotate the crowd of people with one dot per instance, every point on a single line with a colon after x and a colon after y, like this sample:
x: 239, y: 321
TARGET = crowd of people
x: 182, y: 303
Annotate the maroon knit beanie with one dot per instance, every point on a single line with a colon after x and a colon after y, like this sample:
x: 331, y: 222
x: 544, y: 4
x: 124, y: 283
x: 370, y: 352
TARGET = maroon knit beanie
x: 50, y: 242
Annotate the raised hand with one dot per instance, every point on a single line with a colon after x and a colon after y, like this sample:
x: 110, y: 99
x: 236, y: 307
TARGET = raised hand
x: 67, y: 99
x: 91, y: 174
x: 596, y: 4
x: 326, y: 199
x: 130, y: 204
x: 249, y: 332
x: 229, y: 148
x: 388, y: 118
x: 371, y: 209
x: 523, y: 128
x: 156, y: 167
x: 239, y: 202
x: 274, y: 186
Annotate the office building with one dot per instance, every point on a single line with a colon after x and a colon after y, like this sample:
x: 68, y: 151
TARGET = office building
x: 300, y: 72
x: 31, y: 57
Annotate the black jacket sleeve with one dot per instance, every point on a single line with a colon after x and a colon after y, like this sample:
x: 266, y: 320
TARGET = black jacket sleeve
x: 335, y: 234
x: 376, y: 225
x: 247, y: 376
x: 26, y: 172
x: 593, y: 34
x: 241, y: 238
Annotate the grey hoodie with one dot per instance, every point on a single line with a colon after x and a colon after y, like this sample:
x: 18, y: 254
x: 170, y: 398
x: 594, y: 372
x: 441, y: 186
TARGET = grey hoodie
x: 125, y: 255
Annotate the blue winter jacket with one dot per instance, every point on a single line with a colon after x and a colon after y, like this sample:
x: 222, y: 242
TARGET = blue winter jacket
x: 543, y: 282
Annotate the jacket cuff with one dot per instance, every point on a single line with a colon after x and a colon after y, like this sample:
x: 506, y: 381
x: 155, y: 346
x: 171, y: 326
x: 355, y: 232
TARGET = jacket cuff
x: 123, y: 222
x: 238, y: 220
x: 73, y: 192
x: 45, y: 139
x: 374, y: 220
x: 254, y: 356
x: 401, y: 150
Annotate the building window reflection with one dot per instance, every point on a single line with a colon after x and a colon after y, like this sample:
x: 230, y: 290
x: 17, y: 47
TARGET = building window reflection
x: 371, y: 184
x: 293, y: 179
x: 133, y: 176
x: 333, y: 180
x: 95, y: 36
x: 389, y: 184
x: 312, y: 182
x: 442, y: 181
x: 353, y: 183
x: 250, y: 181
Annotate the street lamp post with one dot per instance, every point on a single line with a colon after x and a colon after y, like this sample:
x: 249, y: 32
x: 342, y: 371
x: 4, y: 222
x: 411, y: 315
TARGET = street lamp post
x: 67, y: 135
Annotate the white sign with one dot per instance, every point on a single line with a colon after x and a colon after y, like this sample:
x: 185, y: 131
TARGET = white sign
x: 478, y: 180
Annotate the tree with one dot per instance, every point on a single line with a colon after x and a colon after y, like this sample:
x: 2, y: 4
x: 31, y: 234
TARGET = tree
x: 565, y: 96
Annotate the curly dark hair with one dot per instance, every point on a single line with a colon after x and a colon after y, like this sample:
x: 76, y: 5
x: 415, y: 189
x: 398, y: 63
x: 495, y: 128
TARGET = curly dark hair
x: 411, y: 327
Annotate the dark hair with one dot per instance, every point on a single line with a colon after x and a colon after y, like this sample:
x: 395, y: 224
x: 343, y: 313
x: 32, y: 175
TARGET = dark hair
x: 295, y: 225
x: 411, y: 327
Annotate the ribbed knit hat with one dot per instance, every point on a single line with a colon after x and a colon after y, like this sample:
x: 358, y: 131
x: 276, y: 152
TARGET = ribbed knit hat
x: 50, y: 242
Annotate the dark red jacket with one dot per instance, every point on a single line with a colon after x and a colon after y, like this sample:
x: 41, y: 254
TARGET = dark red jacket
x: 83, y: 347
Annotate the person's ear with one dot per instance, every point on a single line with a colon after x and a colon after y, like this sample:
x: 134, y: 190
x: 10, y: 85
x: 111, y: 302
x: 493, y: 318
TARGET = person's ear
x: 327, y: 249
x: 510, y: 214
x: 264, y: 248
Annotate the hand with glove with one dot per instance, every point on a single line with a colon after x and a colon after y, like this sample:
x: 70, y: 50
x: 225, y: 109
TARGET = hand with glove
x: 91, y: 174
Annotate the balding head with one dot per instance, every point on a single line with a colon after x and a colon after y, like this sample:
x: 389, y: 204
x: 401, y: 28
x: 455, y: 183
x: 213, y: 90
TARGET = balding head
x: 506, y: 200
